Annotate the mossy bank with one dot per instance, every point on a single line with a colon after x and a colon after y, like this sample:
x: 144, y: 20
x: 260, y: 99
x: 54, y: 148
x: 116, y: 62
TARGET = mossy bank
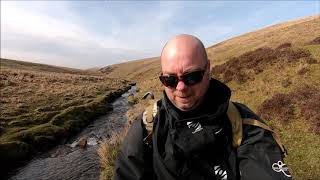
x: 43, y: 105
x: 25, y: 142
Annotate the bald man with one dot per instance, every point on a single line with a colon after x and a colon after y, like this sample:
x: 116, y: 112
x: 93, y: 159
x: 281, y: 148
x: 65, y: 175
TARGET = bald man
x: 185, y: 55
x: 192, y: 135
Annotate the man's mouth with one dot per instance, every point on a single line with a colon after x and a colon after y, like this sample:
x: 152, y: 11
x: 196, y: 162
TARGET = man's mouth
x: 183, y: 97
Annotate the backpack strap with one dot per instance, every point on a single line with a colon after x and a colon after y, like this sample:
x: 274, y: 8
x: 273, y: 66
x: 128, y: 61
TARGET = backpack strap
x: 236, y: 123
x: 147, y: 120
x: 275, y: 136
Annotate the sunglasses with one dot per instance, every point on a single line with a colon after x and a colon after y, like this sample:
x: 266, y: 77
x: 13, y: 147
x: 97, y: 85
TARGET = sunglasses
x: 188, y: 79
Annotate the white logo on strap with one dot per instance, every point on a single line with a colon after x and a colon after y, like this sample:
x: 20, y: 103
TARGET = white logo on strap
x: 281, y: 167
x: 220, y: 173
x: 197, y: 126
x: 217, y: 132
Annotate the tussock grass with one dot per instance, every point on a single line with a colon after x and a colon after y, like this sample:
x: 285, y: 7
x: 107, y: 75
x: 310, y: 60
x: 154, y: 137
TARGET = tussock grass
x: 108, y: 152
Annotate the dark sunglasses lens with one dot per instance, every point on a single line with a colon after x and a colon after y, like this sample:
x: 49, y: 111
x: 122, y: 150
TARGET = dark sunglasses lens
x: 193, y: 78
x: 170, y: 81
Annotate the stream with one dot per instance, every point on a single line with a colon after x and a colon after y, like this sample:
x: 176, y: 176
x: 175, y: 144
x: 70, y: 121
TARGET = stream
x: 69, y: 160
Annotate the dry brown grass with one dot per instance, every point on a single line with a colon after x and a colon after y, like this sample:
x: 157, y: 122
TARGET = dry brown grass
x: 245, y: 67
x: 302, y: 102
x: 104, y: 150
x: 27, y: 93
x: 308, y: 100
x: 315, y: 41
x: 108, y: 152
x: 133, y: 69
x: 280, y: 107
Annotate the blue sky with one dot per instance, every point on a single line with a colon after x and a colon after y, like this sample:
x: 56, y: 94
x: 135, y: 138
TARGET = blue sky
x: 86, y: 34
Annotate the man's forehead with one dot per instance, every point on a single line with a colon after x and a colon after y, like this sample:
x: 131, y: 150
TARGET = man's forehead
x: 183, y: 53
x: 181, y: 44
x: 181, y: 66
x: 173, y: 58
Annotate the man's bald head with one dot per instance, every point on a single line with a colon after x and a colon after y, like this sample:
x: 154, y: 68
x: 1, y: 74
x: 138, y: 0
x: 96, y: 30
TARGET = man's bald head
x: 183, y: 42
x: 184, y: 56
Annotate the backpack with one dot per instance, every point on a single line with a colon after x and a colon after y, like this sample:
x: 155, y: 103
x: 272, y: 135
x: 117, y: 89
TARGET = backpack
x: 233, y: 115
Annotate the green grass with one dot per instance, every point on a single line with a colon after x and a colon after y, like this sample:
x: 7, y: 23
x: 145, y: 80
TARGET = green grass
x: 18, y: 143
x: 303, y: 149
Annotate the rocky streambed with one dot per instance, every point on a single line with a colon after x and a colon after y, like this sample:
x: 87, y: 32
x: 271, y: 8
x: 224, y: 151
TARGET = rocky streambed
x: 78, y: 158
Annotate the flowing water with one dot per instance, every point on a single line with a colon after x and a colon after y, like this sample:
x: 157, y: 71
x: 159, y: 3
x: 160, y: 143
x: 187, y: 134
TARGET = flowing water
x: 70, y: 160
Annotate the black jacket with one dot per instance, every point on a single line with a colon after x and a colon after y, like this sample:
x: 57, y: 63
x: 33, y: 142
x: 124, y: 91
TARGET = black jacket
x: 198, y: 145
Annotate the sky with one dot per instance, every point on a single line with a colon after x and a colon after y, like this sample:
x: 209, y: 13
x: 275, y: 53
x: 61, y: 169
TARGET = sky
x: 87, y: 34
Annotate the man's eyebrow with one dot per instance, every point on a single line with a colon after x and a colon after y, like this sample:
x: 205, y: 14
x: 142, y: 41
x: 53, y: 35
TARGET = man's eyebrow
x: 192, y: 70
x: 185, y: 72
x: 168, y: 73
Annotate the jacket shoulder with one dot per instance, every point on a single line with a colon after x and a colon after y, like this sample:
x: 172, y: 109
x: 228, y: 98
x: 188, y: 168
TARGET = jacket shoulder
x: 260, y: 138
x: 133, y: 142
x: 133, y: 160
x: 246, y: 112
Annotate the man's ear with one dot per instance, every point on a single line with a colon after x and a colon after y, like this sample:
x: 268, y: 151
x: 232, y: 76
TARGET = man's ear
x: 209, y: 69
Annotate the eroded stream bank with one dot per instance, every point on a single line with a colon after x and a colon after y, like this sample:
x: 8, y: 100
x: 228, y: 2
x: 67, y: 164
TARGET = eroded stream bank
x: 73, y: 161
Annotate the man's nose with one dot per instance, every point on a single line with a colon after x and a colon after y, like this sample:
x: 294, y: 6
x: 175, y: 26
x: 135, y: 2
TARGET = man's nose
x: 181, y: 86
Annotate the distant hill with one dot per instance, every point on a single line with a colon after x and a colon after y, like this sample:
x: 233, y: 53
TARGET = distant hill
x: 23, y: 65
x: 275, y: 71
x: 132, y: 69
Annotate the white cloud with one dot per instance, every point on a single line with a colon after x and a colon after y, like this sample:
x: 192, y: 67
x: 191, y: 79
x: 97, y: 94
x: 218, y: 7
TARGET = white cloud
x: 54, y: 33
x: 34, y: 36
x: 19, y: 21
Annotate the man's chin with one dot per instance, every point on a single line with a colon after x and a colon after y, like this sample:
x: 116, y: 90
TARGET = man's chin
x: 184, y: 106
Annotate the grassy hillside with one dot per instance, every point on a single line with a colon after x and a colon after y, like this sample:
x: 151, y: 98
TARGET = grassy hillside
x: 298, y: 32
x: 41, y: 105
x: 275, y: 71
x: 133, y: 69
x: 23, y: 65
